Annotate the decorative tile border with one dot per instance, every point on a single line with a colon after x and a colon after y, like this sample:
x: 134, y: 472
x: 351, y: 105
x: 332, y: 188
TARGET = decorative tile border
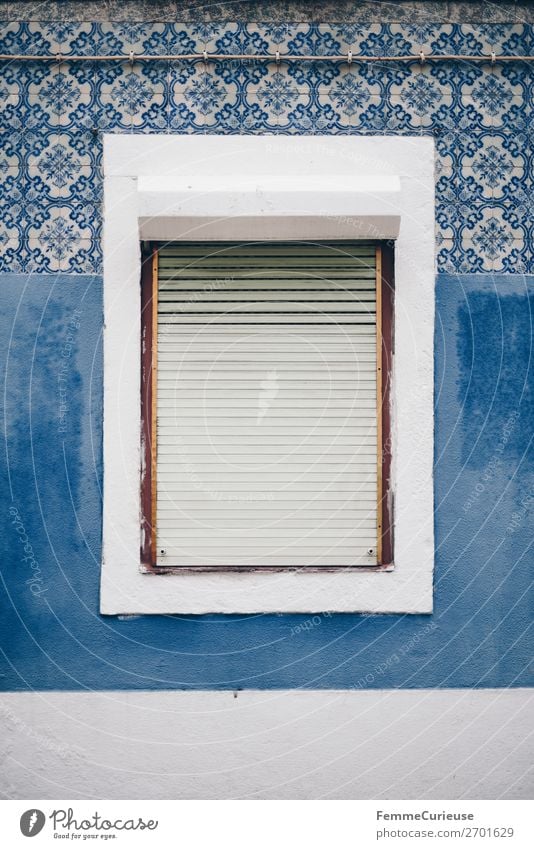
x: 52, y: 117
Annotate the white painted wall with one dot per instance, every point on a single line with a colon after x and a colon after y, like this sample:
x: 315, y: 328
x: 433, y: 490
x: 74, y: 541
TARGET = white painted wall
x: 389, y: 744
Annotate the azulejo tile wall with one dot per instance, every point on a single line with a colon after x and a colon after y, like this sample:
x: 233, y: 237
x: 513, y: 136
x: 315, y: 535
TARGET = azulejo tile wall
x: 53, y: 115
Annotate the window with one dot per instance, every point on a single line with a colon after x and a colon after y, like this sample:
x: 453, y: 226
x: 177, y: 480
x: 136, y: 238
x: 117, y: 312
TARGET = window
x: 265, y: 405
x: 178, y: 190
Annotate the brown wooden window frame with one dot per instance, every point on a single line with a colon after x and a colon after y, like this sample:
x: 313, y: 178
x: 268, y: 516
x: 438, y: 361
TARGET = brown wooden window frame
x: 385, y: 298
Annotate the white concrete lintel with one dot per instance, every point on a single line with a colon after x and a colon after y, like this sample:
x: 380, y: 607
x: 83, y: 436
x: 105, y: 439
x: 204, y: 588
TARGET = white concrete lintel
x: 269, y: 207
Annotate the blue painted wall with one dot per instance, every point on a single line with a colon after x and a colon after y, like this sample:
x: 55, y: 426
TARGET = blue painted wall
x: 52, y: 634
x: 51, y: 122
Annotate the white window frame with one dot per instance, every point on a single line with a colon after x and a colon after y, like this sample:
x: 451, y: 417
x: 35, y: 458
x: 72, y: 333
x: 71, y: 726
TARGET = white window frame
x: 172, y: 187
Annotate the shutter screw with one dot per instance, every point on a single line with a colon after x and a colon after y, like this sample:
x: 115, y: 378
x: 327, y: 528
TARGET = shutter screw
x: 370, y: 551
x: 163, y: 551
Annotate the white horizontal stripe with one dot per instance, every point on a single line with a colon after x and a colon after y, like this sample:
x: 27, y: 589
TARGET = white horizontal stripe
x: 282, y: 744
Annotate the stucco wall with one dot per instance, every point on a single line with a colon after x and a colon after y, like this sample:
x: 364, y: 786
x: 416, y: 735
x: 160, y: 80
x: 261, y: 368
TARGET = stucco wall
x: 477, y: 636
x: 451, y: 744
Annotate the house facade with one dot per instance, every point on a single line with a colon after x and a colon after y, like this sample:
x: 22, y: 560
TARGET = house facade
x: 403, y: 682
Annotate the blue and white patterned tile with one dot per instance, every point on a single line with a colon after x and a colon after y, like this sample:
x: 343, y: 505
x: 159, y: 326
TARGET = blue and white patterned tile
x: 439, y: 83
x: 494, y: 238
x: 299, y: 39
x: 180, y: 118
x: 58, y: 94
x: 11, y: 203
x: 224, y: 112
x: 85, y: 38
x: 349, y: 96
x: 518, y: 206
x: 278, y: 96
x: 454, y: 259
x: 9, y: 253
x: 148, y: 87
x: 456, y: 130
x: 142, y: 37
x: 389, y: 76
x: 253, y: 120
x: 383, y: 40
x: 57, y: 168
x: 309, y: 119
x: 10, y: 81
x: 493, y: 166
x: 493, y: 95
x: 41, y: 117
x: 57, y: 239
x: 312, y: 40
x: 443, y: 225
x: 296, y: 116
x: 108, y: 40
x: 311, y: 76
x: 461, y: 40
x: 119, y: 91
x: 203, y: 96
x: 11, y: 108
x: 424, y: 35
x: 386, y: 116
x: 21, y: 130
x: 442, y: 165
x: 223, y: 37
x: 445, y: 256
x: 236, y: 38
x: 186, y: 36
x: 84, y: 258
x: 251, y: 112
x: 348, y: 35
x: 517, y: 261
x: 454, y: 78
x: 257, y: 38
x: 459, y: 207
x: 278, y: 34
x: 29, y: 37
x: 255, y: 41
x: 506, y: 39
x: 519, y: 128
x: 86, y: 211
x: 420, y: 97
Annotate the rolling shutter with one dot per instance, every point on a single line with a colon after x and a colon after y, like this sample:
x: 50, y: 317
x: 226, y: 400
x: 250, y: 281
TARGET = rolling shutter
x: 266, y: 405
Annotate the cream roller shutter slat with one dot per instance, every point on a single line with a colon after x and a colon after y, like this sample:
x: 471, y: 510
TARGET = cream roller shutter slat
x: 175, y: 555
x: 266, y: 405
x: 248, y: 319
